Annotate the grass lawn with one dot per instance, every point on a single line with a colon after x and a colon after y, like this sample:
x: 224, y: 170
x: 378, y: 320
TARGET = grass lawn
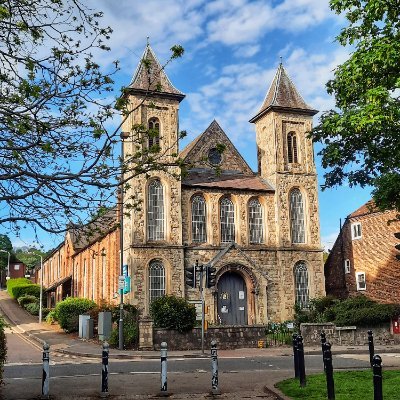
x: 349, y: 385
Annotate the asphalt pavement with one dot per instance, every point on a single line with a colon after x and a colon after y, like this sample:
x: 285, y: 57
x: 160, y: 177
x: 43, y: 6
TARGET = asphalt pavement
x: 258, y: 386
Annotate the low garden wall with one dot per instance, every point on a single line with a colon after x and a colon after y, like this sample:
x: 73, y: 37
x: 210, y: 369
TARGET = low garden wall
x: 346, y: 335
x: 227, y: 337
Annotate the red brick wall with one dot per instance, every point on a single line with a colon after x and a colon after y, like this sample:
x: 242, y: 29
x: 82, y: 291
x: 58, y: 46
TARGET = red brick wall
x: 374, y: 254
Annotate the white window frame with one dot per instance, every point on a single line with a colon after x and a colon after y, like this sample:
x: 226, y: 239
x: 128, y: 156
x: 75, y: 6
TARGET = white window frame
x: 356, y: 232
x: 227, y: 220
x: 199, y: 219
x: 256, y: 222
x: 155, y: 211
x: 347, y: 266
x: 156, y: 280
x: 358, y: 275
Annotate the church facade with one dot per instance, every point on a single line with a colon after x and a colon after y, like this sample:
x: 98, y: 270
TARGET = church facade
x: 260, y: 230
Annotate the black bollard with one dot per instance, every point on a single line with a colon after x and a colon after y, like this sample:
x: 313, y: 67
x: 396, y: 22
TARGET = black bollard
x: 377, y: 371
x: 46, y: 372
x: 302, y: 366
x: 104, y: 370
x: 295, y: 356
x: 330, y: 384
x: 371, y: 347
x: 323, y: 341
x: 214, y: 365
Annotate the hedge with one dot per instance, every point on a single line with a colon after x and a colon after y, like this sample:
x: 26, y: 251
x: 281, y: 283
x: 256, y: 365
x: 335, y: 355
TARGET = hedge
x: 130, y: 327
x: 3, y: 347
x: 170, y: 312
x: 23, y: 290
x: 11, y: 283
x: 26, y: 299
x: 67, y: 312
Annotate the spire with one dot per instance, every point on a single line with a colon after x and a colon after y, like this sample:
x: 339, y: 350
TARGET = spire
x: 150, y: 75
x: 283, y: 95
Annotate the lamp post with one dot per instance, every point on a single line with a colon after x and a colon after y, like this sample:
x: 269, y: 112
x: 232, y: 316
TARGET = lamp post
x: 8, y: 263
x: 41, y: 289
x: 124, y: 135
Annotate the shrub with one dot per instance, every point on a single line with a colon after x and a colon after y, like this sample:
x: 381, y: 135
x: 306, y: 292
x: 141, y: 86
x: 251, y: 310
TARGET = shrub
x: 68, y: 311
x: 51, y: 317
x: 131, y: 330
x: 22, y: 290
x: 45, y: 312
x: 11, y: 283
x: 172, y: 312
x: 26, y: 299
x: 3, y: 347
x: 32, y: 308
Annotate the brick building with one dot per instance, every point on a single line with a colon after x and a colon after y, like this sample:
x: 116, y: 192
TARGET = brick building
x: 362, y: 260
x: 260, y: 230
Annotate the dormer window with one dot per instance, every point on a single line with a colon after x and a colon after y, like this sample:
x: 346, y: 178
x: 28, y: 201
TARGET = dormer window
x: 292, y: 148
x: 154, y: 132
x: 356, y: 230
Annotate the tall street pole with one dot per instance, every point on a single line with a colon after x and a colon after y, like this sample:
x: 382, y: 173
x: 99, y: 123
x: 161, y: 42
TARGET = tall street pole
x: 41, y: 290
x: 124, y: 135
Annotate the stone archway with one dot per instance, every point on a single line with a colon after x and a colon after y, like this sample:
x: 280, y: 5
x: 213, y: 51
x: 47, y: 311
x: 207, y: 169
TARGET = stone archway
x: 235, y: 302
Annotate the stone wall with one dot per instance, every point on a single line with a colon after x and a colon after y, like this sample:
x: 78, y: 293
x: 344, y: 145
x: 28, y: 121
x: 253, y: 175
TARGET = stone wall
x: 346, y: 336
x: 227, y: 337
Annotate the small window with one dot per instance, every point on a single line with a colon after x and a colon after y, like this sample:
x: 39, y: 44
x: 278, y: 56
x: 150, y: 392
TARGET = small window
x: 154, y: 132
x: 292, y: 148
x: 199, y: 219
x: 356, y: 230
x: 347, y: 266
x: 155, y: 211
x: 255, y: 222
x: 156, y: 280
x: 16, y: 267
x: 227, y: 221
x: 361, y: 281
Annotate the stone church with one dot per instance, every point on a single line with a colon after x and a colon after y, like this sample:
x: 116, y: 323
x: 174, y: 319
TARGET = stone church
x: 260, y: 230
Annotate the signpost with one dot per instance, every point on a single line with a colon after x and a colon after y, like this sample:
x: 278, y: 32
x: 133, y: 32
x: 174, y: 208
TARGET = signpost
x: 121, y: 282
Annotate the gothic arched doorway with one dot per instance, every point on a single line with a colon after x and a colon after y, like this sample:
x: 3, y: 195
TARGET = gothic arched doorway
x: 232, y: 299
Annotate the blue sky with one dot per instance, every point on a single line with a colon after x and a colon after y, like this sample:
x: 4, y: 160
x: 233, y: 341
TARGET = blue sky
x: 232, y: 50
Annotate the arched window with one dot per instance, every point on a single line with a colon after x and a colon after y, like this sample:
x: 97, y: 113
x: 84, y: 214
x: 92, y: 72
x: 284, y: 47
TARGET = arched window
x: 155, y: 211
x: 301, y: 284
x: 255, y: 222
x: 227, y: 220
x: 156, y: 280
x: 154, y: 132
x: 292, y: 148
x: 199, y: 234
x: 297, y: 216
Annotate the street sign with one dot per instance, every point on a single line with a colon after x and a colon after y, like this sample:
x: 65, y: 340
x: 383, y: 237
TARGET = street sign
x: 198, y: 305
x: 121, y: 282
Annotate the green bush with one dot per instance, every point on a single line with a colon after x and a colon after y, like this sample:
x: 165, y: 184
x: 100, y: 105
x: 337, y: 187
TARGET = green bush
x: 68, y: 311
x: 32, y: 308
x: 131, y: 331
x: 11, y: 283
x: 26, y: 299
x: 3, y: 348
x: 22, y: 290
x: 45, y: 312
x: 172, y: 312
x: 51, y: 317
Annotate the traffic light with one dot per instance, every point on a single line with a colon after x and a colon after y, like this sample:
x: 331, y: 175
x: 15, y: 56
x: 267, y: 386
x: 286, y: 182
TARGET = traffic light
x: 210, y: 276
x: 397, y: 235
x: 190, y: 276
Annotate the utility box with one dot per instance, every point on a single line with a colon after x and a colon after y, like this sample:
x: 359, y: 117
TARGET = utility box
x: 82, y: 325
x: 88, y: 332
x: 105, y: 325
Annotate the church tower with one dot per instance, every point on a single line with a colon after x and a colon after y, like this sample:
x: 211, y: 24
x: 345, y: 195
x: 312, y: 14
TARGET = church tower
x: 153, y: 231
x: 285, y: 159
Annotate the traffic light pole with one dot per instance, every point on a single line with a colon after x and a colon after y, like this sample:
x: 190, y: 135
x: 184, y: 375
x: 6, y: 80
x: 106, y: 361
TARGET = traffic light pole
x: 202, y: 307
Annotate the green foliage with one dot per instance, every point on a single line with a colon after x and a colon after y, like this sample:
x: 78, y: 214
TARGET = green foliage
x: 130, y: 329
x: 68, y: 311
x: 172, y: 312
x: 32, y: 308
x: 22, y: 290
x: 6, y: 245
x: 12, y: 283
x: 30, y: 257
x: 362, y: 136
x: 3, y: 348
x: 51, y: 317
x: 349, y: 385
x: 26, y: 299
x: 358, y: 311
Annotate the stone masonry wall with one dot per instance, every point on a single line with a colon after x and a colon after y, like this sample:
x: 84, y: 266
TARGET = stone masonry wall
x: 227, y: 337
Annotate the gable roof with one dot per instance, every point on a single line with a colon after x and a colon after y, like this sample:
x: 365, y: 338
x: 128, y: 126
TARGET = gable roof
x: 367, y: 208
x: 212, y: 136
x: 152, y: 77
x: 283, y: 95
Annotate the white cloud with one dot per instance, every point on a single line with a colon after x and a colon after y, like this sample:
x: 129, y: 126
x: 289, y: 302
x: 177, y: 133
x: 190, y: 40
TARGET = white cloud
x: 247, y: 51
x: 329, y: 240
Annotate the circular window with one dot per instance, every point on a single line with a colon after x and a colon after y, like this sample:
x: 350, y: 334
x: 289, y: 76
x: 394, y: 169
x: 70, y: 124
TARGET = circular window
x: 214, y: 156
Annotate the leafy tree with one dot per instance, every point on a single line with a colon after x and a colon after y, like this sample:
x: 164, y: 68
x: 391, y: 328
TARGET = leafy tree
x: 58, y: 163
x: 362, y: 136
x: 6, y: 245
x: 30, y: 257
